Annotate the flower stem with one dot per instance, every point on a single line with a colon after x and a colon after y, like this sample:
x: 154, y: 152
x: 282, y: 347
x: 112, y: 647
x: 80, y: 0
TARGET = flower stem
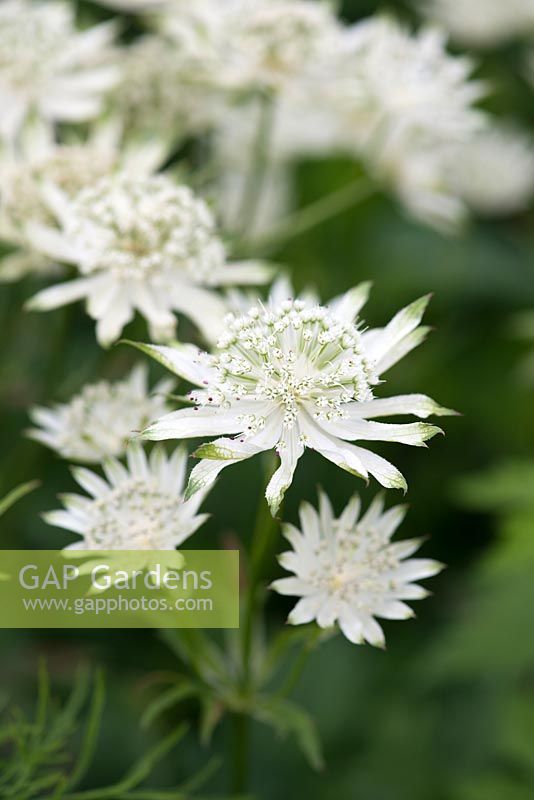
x: 310, y: 216
x: 259, y: 164
x: 241, y: 753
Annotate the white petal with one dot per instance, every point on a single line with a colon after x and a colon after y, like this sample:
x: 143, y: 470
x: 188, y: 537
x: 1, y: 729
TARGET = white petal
x: 290, y: 451
x: 63, y: 519
x: 243, y: 273
x: 335, y: 450
x: 205, y: 309
x: 347, y: 306
x: 305, y: 611
x: 189, y: 423
x: 417, y: 404
x: 414, y: 433
x: 185, y: 360
x: 92, y: 483
x: 384, y: 472
x: 60, y: 295
x: 403, y: 323
x: 51, y: 243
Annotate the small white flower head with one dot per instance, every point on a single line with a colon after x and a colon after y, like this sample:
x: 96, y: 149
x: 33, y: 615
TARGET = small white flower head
x: 494, y: 172
x: 48, y: 68
x: 291, y: 375
x: 402, y: 100
x: 40, y: 178
x: 482, y: 23
x: 100, y: 421
x: 253, y: 44
x: 277, y: 41
x: 347, y: 571
x: 159, y: 91
x: 138, y: 507
x: 146, y: 244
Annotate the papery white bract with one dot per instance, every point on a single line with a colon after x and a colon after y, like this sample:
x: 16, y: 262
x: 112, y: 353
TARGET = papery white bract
x: 494, y: 172
x: 100, y: 421
x: 296, y: 375
x: 482, y: 23
x: 145, y: 244
x: 48, y: 68
x: 347, y: 571
x: 138, y: 507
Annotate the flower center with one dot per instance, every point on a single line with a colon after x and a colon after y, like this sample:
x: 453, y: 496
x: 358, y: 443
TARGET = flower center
x: 294, y: 355
x: 135, y: 516
x: 144, y: 226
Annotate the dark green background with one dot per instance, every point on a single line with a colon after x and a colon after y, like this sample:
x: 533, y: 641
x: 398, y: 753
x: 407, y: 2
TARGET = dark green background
x: 447, y: 713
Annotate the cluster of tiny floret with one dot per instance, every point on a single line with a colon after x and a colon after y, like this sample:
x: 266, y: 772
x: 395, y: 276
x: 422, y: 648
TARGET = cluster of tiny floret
x: 144, y: 226
x: 136, y: 515
x: 354, y: 566
x: 292, y: 354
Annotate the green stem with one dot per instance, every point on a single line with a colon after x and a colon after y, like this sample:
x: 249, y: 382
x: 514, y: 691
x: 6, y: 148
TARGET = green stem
x: 259, y: 164
x: 300, y: 663
x: 310, y: 216
x: 241, y: 753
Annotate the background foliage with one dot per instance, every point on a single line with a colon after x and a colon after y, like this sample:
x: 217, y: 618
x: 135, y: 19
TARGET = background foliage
x: 448, y: 711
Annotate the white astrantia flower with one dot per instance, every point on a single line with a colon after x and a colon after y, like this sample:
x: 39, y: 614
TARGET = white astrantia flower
x: 291, y: 375
x: 254, y: 44
x: 403, y: 100
x: 494, y: 172
x: 141, y: 244
x: 482, y: 23
x: 160, y: 91
x: 347, y: 571
x: 50, y: 69
x: 40, y: 176
x: 100, y: 421
x: 138, y: 507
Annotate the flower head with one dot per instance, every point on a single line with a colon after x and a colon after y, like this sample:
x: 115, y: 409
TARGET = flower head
x: 48, y: 68
x: 402, y: 101
x: 160, y: 90
x: 140, y: 507
x: 348, y: 571
x: 99, y: 421
x: 294, y: 375
x: 142, y: 243
x: 40, y: 178
x: 253, y: 44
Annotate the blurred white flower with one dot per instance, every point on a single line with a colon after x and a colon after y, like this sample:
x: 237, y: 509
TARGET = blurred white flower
x: 253, y: 44
x: 145, y: 244
x: 99, y: 421
x: 160, y: 91
x: 294, y: 375
x: 48, y: 68
x: 494, y: 172
x: 402, y: 101
x: 347, y: 571
x: 140, y: 507
x: 482, y: 23
x: 39, y: 176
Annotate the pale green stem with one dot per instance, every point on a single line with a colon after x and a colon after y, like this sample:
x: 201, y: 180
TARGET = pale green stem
x: 258, y: 167
x: 310, y: 216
